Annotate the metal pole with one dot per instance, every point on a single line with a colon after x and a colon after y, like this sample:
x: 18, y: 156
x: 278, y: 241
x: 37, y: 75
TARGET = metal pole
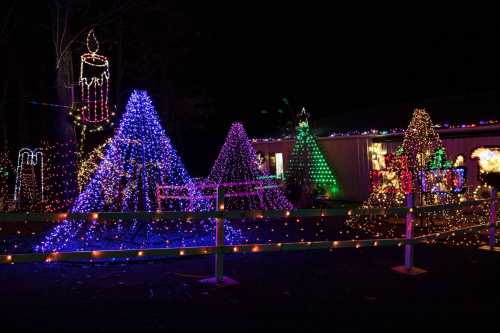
x: 408, y: 267
x: 409, y: 231
x: 219, y: 238
x: 493, y: 217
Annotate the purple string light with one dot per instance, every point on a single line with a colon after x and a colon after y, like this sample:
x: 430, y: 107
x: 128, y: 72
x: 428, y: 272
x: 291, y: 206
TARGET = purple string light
x: 236, y: 169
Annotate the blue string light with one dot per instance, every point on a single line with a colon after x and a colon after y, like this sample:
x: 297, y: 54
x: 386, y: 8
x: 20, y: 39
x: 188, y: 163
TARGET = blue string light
x: 139, y: 157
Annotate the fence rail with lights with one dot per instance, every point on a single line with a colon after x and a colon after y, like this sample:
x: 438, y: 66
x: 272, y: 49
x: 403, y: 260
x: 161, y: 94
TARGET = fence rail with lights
x: 219, y: 249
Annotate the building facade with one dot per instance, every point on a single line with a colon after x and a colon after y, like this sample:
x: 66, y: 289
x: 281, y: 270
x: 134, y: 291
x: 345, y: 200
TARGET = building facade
x: 353, y: 157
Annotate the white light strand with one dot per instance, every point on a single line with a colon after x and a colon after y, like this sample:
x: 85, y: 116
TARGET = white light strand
x: 32, y: 158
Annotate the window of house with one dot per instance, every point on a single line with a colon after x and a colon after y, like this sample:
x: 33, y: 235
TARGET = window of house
x: 279, y: 165
x: 377, y: 154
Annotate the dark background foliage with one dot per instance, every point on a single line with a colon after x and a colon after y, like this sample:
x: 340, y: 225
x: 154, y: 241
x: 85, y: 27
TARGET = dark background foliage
x: 208, y: 64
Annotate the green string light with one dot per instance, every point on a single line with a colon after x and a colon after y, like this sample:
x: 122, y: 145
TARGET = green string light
x: 308, y: 164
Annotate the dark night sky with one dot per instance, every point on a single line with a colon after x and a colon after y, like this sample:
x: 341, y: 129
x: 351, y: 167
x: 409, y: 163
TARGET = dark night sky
x: 351, y: 67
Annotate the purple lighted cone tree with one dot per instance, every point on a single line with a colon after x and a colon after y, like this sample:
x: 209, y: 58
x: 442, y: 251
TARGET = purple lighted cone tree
x: 236, y: 169
x: 139, y: 157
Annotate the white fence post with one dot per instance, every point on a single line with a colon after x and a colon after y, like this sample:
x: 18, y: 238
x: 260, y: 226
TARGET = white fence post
x: 410, y: 216
x: 493, y: 218
x: 219, y: 237
x: 408, y: 267
x: 219, y: 279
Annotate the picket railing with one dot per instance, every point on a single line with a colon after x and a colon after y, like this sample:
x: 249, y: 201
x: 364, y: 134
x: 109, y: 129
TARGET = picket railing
x: 219, y: 249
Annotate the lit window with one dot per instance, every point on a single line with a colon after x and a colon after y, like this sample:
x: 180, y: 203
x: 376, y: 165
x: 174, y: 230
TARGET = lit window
x: 377, y: 152
x: 279, y: 165
x: 261, y: 160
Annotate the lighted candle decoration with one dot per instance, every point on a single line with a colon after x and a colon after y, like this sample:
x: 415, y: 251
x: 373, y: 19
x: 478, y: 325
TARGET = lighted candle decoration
x: 94, y: 85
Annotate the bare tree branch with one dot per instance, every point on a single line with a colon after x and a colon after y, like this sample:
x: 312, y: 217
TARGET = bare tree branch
x: 66, y: 23
x: 4, y: 33
x: 63, y: 46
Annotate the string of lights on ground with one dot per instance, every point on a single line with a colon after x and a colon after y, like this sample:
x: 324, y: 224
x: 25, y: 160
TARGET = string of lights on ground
x: 178, y: 233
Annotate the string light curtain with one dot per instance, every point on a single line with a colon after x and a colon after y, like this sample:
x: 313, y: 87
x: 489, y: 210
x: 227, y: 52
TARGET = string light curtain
x: 59, y: 175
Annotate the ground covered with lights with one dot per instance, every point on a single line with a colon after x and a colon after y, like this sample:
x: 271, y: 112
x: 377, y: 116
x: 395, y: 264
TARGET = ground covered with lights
x: 292, y: 290
x: 20, y: 237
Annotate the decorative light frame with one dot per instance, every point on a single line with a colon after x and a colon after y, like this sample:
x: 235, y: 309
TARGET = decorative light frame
x: 27, y: 156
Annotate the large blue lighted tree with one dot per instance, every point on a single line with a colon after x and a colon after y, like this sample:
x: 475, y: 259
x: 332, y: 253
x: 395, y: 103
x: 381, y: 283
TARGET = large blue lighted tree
x: 139, y: 157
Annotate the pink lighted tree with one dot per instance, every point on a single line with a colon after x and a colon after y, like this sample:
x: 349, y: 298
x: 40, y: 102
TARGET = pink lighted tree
x: 236, y: 169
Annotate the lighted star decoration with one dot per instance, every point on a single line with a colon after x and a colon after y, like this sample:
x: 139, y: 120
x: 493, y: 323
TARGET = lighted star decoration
x: 303, y: 117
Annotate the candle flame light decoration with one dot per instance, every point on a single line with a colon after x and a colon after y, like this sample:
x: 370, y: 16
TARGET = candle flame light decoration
x: 139, y: 156
x: 29, y: 188
x: 419, y: 166
x: 93, y: 112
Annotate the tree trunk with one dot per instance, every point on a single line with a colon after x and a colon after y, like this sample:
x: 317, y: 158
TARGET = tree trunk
x: 3, y: 118
x: 63, y: 153
x: 64, y: 130
x: 118, y: 67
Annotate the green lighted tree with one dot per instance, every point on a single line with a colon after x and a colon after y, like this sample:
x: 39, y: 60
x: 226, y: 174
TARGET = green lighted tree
x: 439, y: 160
x: 308, y: 171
